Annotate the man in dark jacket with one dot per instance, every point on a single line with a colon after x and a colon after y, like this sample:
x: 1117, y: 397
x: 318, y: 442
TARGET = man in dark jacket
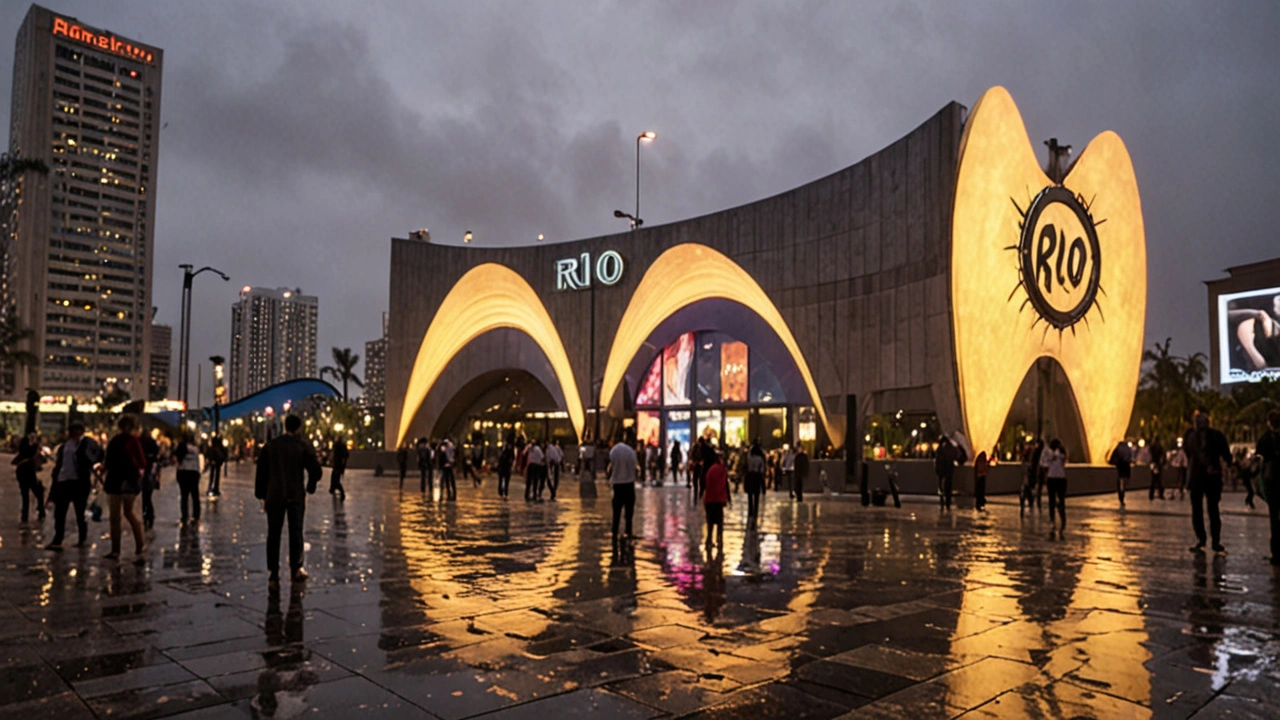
x: 949, y: 456
x: 801, y: 470
x: 282, y: 464
x: 340, y: 456
x: 1208, y: 455
x: 72, y: 481
x: 1269, y: 478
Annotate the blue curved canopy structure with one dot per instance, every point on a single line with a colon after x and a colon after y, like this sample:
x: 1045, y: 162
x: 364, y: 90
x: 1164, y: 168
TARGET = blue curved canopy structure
x: 293, y: 392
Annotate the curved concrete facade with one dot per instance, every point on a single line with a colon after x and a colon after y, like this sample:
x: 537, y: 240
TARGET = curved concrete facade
x: 855, y: 263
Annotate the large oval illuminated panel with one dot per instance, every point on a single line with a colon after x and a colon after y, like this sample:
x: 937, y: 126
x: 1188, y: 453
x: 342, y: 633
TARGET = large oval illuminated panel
x: 1040, y: 269
x: 681, y: 276
x: 488, y: 297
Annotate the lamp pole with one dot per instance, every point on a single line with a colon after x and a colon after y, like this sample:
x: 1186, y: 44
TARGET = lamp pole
x: 646, y: 136
x: 184, y: 332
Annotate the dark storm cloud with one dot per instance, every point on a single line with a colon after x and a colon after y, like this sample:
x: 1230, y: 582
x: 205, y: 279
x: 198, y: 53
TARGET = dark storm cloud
x: 301, y: 137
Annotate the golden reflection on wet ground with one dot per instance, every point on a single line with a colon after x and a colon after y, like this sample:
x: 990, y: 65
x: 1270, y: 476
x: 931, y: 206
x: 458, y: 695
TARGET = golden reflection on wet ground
x: 828, y: 609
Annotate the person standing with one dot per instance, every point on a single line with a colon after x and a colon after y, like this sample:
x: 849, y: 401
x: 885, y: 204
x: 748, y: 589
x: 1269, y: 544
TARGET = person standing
x: 506, y: 459
x: 800, y: 467
x: 754, y: 481
x: 1269, y: 479
x: 340, y: 455
x: 555, y: 460
x: 402, y: 462
x: 714, y: 501
x: 187, y: 475
x: 535, y: 469
x: 1178, y: 463
x: 788, y: 465
x: 1055, y: 463
x: 72, y: 481
x: 151, y: 482
x: 677, y: 460
x: 215, y: 457
x: 1157, y: 469
x: 1031, y: 483
x: 425, y: 465
x: 125, y: 466
x: 448, y: 485
x: 981, y: 466
x: 27, y: 463
x: 622, y: 478
x: 1208, y: 454
x: 279, y: 484
x: 1122, y: 458
x: 944, y: 465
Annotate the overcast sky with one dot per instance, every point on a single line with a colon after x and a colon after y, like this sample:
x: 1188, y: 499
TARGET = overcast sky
x: 302, y: 136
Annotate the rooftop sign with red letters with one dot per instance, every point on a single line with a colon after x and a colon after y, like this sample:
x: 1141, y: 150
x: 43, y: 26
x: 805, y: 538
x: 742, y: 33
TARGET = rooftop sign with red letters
x: 102, y: 41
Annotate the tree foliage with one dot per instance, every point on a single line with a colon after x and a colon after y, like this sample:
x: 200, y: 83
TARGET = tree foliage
x: 343, y: 369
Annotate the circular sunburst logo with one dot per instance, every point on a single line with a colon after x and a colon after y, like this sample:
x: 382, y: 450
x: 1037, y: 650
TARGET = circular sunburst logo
x: 1060, y: 262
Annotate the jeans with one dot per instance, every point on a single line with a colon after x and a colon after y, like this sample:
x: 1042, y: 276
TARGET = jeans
x: 404, y: 470
x: 1058, y: 497
x: 335, y: 483
x: 428, y: 484
x: 30, y: 484
x: 148, y: 509
x: 624, y: 499
x: 980, y: 492
x: 1157, y: 484
x: 944, y: 487
x: 553, y: 478
x: 1204, y: 488
x: 504, y: 482
x: 1122, y: 479
x: 447, y: 484
x: 276, y: 514
x: 215, y: 478
x: 64, y: 495
x: 189, y: 489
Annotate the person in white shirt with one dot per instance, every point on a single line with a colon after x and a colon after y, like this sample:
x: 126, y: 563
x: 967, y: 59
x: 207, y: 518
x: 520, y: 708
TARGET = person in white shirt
x: 535, y: 472
x: 1055, y: 462
x: 1178, y: 461
x: 448, y: 485
x: 555, y: 460
x: 788, y: 468
x: 622, y: 477
x: 586, y: 459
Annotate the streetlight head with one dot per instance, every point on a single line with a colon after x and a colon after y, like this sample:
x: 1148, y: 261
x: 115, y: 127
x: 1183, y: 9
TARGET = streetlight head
x: 540, y: 237
x: 648, y: 135
x: 466, y: 237
x: 620, y: 214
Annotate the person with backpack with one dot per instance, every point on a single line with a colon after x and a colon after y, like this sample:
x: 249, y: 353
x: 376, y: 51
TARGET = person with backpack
x: 72, y: 481
x: 1122, y: 458
x: 1268, y: 449
x: 187, y: 475
x: 1208, y: 455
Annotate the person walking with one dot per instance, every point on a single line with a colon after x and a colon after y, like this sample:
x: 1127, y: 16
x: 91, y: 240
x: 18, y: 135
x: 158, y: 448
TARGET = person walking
x: 1208, y: 454
x: 27, y: 463
x: 402, y: 462
x: 981, y: 466
x: 944, y: 465
x: 215, y: 458
x: 1055, y: 464
x: 800, y: 467
x: 1178, y: 463
x: 151, y: 482
x: 535, y: 471
x: 714, y: 501
x: 754, y: 481
x: 1122, y: 458
x: 788, y: 465
x: 425, y: 465
x: 555, y: 460
x: 506, y: 459
x: 1030, y: 482
x: 622, y: 478
x: 340, y: 455
x: 587, y: 459
x: 677, y: 462
x: 125, y: 466
x: 1157, y: 469
x: 279, y: 484
x: 187, y: 476
x: 448, y: 485
x: 1268, y: 449
x: 72, y: 481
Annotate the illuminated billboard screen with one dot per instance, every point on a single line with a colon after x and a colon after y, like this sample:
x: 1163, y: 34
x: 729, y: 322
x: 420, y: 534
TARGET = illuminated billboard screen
x: 677, y: 359
x: 1249, y: 335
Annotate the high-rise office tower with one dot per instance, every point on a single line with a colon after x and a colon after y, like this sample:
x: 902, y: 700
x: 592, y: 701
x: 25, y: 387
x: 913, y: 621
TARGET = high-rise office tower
x: 78, y: 241
x: 375, y: 369
x: 273, y: 339
x: 161, y: 361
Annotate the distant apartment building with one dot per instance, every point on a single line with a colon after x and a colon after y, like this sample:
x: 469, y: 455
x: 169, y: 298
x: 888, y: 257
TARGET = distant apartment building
x: 375, y: 369
x: 161, y: 361
x: 273, y: 339
x: 78, y: 242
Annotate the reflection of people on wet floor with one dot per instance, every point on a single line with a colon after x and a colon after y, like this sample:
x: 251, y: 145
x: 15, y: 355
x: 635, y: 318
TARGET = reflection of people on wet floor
x: 279, y: 484
x: 555, y: 460
x: 1269, y: 478
x: 281, y: 686
x: 622, y: 478
x: 948, y: 457
x: 506, y: 459
x: 340, y: 455
x: 402, y: 462
x: 713, y: 585
x: 754, y: 482
x: 425, y: 464
x: 448, y: 485
x: 1208, y: 455
x: 750, y: 563
x: 534, y: 470
x: 714, y: 500
x: 1255, y: 337
x: 1122, y: 457
x: 188, y: 477
x: 800, y: 470
x: 1054, y: 461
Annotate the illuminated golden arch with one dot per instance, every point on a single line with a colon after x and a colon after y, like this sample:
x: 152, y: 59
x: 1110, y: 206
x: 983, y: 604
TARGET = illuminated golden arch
x: 681, y: 276
x: 488, y: 297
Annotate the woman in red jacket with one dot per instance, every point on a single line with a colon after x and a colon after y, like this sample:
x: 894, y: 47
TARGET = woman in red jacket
x: 714, y: 499
x: 125, y: 464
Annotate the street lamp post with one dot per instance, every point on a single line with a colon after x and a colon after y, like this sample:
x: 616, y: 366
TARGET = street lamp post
x: 646, y: 136
x: 184, y: 332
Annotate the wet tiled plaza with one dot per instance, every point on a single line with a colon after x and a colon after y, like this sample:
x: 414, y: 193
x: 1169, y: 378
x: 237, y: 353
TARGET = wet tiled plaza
x: 505, y: 609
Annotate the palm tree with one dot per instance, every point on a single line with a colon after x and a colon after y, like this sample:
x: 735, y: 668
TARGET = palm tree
x: 343, y: 368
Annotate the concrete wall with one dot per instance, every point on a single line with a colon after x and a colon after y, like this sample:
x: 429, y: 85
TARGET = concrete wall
x: 857, y: 263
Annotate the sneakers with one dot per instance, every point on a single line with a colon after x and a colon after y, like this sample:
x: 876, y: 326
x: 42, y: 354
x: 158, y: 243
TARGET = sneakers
x: 1220, y: 548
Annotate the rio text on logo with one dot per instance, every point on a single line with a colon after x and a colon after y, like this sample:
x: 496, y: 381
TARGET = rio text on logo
x: 576, y: 273
x: 102, y: 41
x: 1060, y: 263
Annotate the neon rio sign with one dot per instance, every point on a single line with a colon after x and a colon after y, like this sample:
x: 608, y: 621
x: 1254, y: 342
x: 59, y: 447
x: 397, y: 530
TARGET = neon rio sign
x: 102, y: 41
x: 575, y: 273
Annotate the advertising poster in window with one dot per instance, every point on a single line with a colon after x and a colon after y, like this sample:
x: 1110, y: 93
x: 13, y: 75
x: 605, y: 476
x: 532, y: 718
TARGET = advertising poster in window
x: 677, y: 360
x: 1249, y: 335
x: 648, y: 427
x: 651, y: 389
x: 733, y: 372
